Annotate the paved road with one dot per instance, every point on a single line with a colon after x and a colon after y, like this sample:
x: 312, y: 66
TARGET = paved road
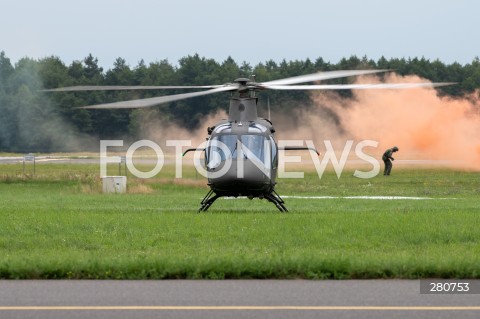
x: 230, y: 299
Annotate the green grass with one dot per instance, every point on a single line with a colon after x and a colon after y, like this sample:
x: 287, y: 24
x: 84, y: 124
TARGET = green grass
x: 59, y: 225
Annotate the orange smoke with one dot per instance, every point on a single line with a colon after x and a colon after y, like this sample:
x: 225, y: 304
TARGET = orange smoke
x: 422, y: 124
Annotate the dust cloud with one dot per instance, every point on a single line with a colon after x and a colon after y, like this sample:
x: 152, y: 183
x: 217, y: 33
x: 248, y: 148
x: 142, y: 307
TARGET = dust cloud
x: 423, y: 125
x: 30, y: 122
x: 160, y: 130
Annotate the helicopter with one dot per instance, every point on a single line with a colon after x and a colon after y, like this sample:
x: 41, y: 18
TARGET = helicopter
x: 241, y: 153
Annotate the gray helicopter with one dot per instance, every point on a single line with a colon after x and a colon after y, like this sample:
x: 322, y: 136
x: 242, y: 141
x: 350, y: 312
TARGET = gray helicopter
x: 241, y: 154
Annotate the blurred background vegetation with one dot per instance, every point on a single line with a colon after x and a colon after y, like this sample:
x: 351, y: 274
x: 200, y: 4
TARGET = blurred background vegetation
x: 35, y: 121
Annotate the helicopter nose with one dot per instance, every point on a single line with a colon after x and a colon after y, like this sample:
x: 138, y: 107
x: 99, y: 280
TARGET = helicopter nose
x: 242, y: 179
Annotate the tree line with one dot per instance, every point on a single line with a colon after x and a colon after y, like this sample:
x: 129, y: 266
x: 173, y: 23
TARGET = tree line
x: 34, y: 121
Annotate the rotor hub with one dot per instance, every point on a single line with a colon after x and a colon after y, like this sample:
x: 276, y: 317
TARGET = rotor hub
x: 243, y: 81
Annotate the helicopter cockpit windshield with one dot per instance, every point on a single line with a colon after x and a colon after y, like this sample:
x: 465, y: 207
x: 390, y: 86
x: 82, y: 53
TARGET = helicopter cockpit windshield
x: 221, y: 148
x: 253, y: 147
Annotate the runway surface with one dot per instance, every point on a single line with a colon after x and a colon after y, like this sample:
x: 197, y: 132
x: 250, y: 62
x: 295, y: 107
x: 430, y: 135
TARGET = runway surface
x: 230, y: 299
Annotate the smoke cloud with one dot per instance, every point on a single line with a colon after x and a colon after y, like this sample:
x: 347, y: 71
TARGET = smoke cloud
x: 423, y: 125
x: 160, y: 130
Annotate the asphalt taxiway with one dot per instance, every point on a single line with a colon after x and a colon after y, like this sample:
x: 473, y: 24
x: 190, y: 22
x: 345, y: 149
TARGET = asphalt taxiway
x: 230, y: 299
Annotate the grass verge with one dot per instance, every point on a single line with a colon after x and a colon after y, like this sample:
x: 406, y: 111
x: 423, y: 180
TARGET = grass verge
x: 59, y: 225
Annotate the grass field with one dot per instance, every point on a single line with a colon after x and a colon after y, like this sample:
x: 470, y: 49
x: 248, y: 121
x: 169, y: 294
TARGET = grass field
x: 58, y: 224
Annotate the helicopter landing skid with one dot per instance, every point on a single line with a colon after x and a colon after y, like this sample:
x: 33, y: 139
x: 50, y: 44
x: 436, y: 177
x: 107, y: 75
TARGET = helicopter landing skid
x: 272, y: 197
x: 208, y: 201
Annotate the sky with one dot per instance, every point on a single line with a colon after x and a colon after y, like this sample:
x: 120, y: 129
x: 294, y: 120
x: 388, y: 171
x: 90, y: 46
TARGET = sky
x: 251, y: 31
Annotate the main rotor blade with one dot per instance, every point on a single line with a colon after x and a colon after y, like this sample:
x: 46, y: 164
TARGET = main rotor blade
x: 158, y: 100
x: 127, y: 87
x: 358, y: 86
x: 320, y: 76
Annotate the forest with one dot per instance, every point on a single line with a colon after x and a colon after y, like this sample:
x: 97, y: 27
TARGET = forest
x: 36, y: 121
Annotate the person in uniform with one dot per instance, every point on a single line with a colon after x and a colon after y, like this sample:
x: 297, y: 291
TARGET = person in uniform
x: 387, y: 159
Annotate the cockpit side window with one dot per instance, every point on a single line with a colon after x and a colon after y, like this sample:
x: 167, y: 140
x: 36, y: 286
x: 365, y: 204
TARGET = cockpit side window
x: 274, y: 153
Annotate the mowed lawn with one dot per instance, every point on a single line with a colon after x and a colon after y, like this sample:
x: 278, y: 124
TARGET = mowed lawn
x: 58, y: 224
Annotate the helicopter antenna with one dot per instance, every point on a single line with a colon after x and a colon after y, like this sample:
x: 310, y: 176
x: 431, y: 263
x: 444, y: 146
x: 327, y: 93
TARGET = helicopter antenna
x: 268, y: 105
x: 253, y: 92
